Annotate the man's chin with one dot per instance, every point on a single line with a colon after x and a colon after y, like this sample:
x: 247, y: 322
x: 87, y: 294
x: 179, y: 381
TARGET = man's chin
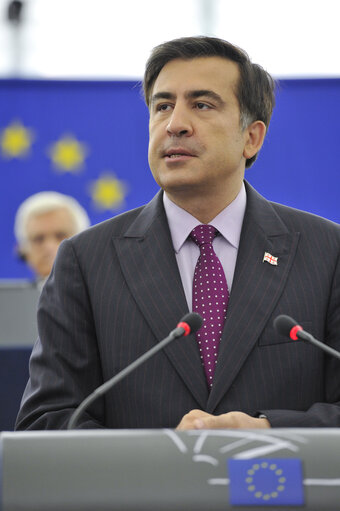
x: 45, y: 271
x: 183, y: 187
x: 180, y: 175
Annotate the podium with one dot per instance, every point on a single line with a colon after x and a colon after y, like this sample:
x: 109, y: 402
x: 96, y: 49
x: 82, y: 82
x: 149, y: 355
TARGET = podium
x: 18, y: 332
x: 166, y: 470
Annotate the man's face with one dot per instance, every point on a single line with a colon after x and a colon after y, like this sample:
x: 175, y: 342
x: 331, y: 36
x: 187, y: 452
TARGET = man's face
x: 45, y: 232
x: 196, y: 142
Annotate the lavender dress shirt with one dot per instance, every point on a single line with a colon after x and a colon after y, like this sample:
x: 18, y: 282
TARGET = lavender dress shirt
x: 228, y: 223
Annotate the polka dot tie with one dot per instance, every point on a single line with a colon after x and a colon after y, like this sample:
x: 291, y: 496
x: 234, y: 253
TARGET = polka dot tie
x: 209, y: 297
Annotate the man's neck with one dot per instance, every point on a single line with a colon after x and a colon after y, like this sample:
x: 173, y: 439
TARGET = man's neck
x: 204, y: 207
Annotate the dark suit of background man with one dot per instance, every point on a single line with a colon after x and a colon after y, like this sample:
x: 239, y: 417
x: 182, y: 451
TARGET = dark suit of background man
x: 121, y: 286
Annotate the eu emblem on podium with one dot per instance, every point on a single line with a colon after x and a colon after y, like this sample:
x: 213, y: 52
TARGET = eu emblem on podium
x: 266, y: 482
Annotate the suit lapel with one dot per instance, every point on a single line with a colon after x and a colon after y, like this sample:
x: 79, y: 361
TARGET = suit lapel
x: 148, y: 262
x: 256, y: 289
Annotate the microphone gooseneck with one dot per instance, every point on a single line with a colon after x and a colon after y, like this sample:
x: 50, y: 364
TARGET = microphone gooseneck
x: 190, y: 323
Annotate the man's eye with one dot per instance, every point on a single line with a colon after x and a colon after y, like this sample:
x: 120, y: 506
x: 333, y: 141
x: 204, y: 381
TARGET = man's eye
x: 202, y: 106
x: 60, y: 236
x: 38, y: 240
x: 163, y: 108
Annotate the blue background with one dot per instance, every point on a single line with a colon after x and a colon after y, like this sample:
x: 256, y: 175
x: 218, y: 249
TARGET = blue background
x: 298, y: 165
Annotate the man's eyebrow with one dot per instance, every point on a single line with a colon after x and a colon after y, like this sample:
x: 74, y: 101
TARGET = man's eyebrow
x: 162, y: 95
x: 193, y: 94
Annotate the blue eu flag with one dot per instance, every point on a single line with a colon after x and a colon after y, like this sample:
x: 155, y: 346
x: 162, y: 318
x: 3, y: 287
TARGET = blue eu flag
x: 266, y: 482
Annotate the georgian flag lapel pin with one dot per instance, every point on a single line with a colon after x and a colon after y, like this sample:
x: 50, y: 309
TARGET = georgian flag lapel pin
x: 270, y: 259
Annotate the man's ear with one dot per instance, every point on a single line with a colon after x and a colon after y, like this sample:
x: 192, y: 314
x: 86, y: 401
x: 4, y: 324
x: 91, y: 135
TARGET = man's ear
x: 20, y: 254
x: 256, y: 131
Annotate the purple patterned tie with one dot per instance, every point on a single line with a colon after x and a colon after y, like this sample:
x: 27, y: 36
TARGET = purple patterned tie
x: 209, y: 297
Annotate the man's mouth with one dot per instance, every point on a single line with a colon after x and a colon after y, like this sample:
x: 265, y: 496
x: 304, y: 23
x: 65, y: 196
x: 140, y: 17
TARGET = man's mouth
x: 178, y: 155
x: 174, y: 154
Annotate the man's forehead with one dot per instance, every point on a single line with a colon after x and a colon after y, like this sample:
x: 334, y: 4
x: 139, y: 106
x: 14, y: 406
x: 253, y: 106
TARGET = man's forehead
x: 60, y: 214
x: 199, y: 73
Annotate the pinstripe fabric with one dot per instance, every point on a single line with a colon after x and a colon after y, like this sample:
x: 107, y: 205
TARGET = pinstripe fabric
x: 115, y: 291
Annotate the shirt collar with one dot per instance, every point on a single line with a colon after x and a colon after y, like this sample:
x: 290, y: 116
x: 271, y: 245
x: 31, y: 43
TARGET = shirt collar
x: 228, y: 222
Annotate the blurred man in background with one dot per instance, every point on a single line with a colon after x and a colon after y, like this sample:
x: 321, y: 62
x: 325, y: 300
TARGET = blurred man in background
x: 42, y: 222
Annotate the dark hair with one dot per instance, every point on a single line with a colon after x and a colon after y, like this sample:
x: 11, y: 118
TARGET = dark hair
x: 255, y: 90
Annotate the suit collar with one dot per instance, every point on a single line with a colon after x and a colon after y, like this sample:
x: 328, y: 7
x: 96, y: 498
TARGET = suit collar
x: 146, y: 218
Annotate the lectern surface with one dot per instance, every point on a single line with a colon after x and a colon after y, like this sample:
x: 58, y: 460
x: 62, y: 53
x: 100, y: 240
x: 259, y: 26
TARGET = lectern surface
x: 168, y: 470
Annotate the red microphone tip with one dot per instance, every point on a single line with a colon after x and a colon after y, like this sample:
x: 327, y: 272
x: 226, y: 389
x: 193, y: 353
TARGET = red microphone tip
x: 186, y: 327
x: 293, y: 332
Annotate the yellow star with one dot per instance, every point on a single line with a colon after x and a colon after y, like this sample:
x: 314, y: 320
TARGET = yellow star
x: 108, y: 192
x: 16, y: 140
x: 68, y: 154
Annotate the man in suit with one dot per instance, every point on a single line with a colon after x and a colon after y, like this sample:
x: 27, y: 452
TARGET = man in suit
x: 120, y: 287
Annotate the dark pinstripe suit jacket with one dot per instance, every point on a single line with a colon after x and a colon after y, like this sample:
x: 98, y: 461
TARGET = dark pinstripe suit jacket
x: 115, y: 291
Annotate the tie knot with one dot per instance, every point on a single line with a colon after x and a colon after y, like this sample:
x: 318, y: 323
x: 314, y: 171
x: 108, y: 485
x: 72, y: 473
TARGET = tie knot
x: 203, y: 234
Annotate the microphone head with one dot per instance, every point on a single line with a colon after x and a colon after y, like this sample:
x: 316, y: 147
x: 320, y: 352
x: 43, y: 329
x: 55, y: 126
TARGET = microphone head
x: 283, y: 324
x: 194, y: 320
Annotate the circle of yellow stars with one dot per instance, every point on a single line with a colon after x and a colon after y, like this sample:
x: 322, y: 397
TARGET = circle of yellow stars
x: 279, y: 485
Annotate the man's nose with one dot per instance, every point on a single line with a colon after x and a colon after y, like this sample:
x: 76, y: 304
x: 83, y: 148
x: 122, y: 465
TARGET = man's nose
x: 180, y: 122
x: 51, y: 244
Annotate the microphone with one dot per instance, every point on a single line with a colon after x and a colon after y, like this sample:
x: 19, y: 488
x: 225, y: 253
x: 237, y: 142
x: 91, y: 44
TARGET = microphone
x: 190, y: 323
x: 287, y: 326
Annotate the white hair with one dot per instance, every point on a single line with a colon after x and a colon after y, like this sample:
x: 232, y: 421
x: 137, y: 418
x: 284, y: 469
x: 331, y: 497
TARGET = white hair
x: 43, y: 202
